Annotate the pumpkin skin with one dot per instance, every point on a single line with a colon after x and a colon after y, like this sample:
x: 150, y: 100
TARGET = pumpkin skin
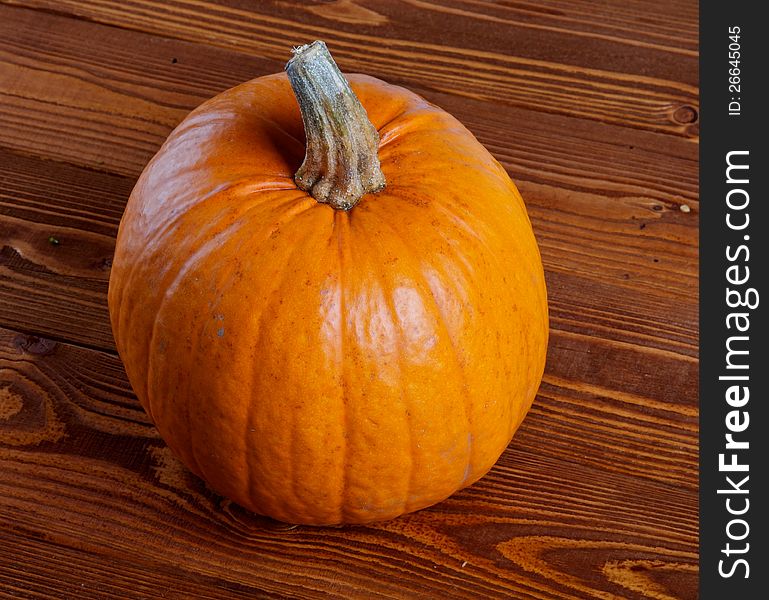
x: 321, y: 366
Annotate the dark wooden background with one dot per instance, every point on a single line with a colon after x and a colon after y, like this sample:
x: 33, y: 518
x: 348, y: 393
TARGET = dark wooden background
x: 593, y: 109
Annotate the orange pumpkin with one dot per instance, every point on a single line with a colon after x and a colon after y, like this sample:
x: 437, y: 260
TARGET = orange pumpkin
x: 343, y: 359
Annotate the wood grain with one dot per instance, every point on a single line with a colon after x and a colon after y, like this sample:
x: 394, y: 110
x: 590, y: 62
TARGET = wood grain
x: 58, y: 289
x: 485, y: 66
x: 592, y: 107
x: 84, y: 472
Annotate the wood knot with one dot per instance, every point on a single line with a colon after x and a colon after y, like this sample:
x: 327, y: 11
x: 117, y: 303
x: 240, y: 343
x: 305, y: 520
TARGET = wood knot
x: 32, y: 344
x: 10, y: 403
x: 685, y: 115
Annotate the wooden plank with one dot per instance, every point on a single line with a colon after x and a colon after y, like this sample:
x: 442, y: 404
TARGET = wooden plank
x: 632, y: 81
x: 107, y: 104
x: 34, y: 568
x: 57, y: 236
x: 85, y: 480
x: 60, y: 195
x: 136, y: 77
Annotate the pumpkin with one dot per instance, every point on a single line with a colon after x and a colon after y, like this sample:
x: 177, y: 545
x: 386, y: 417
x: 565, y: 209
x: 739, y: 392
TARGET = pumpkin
x: 328, y: 297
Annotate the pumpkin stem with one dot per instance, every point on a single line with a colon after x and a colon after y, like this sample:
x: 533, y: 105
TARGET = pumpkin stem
x: 341, y: 162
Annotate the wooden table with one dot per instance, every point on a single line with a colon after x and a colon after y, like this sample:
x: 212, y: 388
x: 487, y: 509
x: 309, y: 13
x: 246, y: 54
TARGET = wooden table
x: 590, y: 106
